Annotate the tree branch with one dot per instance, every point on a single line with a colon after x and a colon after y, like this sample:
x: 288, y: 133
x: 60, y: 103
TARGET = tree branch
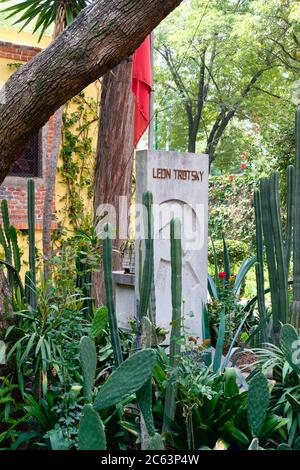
x: 103, y: 34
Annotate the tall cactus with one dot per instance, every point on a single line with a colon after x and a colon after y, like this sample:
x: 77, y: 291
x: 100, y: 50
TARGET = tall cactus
x: 279, y: 248
x: 5, y: 240
x: 296, y: 264
x: 147, y: 276
x: 270, y: 251
x: 278, y: 251
x: 112, y: 319
x: 289, y: 215
x: 259, y: 267
x: 176, y: 286
x: 31, y: 234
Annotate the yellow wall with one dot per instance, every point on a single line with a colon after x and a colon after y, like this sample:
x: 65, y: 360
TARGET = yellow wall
x: 29, y: 39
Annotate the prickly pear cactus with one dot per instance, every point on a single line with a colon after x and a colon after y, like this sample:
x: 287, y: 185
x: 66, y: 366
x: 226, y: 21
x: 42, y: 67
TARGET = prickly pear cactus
x: 128, y: 378
x: 91, y: 430
x: 99, y: 323
x: 88, y: 359
x: 230, y: 386
x: 144, y: 399
x: 258, y: 401
x: 289, y: 341
x: 156, y: 443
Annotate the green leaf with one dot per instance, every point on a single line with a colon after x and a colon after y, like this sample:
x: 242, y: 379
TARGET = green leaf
x: 57, y: 440
x: 226, y: 259
x: 243, y: 271
x: 220, y: 342
x: 293, y: 402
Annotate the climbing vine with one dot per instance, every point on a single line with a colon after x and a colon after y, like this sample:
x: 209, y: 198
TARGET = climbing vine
x: 78, y: 157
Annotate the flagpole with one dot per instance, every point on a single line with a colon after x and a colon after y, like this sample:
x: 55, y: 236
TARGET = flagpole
x: 151, y: 125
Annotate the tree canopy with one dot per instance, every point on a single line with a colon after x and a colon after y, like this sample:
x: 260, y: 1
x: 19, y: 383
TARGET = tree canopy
x: 226, y: 75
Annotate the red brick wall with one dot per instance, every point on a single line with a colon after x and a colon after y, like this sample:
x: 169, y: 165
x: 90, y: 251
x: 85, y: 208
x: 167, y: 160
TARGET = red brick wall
x: 14, y: 189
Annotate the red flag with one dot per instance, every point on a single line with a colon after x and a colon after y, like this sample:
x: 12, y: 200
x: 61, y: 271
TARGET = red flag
x: 141, y: 87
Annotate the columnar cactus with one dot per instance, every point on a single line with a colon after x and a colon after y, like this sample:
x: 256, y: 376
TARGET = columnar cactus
x: 296, y: 263
x: 290, y: 215
x: 176, y: 287
x: 276, y: 253
x: 112, y: 319
x: 147, y: 276
x: 259, y: 267
x: 9, y: 242
x: 279, y: 248
x: 31, y: 234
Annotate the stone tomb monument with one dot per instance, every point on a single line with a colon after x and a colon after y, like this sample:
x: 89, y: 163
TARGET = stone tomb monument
x: 179, y: 184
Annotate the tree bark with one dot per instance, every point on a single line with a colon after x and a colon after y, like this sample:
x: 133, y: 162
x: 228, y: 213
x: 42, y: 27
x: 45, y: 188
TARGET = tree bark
x: 103, y: 34
x: 115, y: 152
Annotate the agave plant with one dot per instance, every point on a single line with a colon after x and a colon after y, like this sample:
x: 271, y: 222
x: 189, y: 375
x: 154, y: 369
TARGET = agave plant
x: 224, y: 282
x: 282, y: 363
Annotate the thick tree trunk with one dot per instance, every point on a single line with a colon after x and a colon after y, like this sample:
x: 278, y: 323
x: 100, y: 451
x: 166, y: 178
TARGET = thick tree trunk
x: 115, y: 152
x: 104, y: 33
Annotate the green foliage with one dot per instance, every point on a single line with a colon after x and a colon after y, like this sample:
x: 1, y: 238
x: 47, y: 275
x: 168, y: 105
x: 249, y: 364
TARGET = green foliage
x: 78, y: 156
x: 216, y: 63
x: 283, y: 361
x: 225, y: 290
x: 43, y: 13
x: 219, y: 345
